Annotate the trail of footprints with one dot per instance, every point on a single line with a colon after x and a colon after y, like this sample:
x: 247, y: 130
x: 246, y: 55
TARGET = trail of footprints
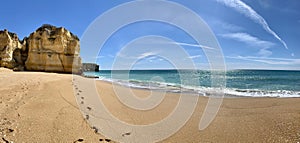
x: 87, y: 117
x: 6, y: 131
x: 10, y: 103
x: 82, y: 140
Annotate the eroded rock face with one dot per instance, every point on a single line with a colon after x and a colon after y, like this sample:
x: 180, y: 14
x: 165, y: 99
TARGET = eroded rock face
x: 9, y: 42
x: 49, y: 49
x: 53, y: 49
x: 90, y: 67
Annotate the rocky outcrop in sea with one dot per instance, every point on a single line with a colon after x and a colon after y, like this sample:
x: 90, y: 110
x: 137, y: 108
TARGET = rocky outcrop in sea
x: 90, y: 67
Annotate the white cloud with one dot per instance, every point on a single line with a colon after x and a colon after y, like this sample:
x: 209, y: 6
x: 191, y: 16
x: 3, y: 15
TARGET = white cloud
x: 193, y: 45
x: 243, y: 8
x: 227, y: 26
x: 183, y: 44
x: 253, y: 41
x: 152, y: 58
x: 98, y: 57
x: 265, y: 52
x: 146, y: 55
x: 195, y: 56
x: 264, y: 3
x: 249, y: 39
x: 272, y: 61
x: 102, y: 56
x: 231, y: 27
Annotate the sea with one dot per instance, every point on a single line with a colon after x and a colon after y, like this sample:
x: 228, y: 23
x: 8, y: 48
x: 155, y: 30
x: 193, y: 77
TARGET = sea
x: 235, y: 83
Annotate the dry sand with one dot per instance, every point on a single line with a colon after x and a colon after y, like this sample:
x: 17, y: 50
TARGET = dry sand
x: 41, y: 107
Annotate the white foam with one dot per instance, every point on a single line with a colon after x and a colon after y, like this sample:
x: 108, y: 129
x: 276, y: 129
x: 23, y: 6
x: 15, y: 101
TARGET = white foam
x: 206, y: 91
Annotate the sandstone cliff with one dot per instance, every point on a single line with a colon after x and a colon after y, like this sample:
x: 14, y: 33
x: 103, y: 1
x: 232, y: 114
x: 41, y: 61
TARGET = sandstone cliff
x: 53, y: 49
x: 9, y: 42
x: 48, y: 49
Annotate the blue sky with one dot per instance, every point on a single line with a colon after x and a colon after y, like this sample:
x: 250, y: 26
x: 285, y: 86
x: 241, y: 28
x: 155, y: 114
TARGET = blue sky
x: 261, y: 34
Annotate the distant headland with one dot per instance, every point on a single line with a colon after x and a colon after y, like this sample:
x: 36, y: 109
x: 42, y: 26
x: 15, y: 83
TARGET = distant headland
x: 90, y: 67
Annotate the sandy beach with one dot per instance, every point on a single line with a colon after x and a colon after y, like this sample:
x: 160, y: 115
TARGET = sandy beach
x: 41, y: 107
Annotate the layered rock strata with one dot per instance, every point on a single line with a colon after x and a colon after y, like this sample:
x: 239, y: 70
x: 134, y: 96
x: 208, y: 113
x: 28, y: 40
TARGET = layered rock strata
x: 49, y: 49
x: 9, y: 42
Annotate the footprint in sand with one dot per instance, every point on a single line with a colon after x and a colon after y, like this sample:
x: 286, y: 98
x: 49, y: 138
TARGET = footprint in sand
x: 79, y: 140
x: 7, y: 130
x: 107, y: 140
x: 95, y: 129
x: 89, y: 108
x: 126, y: 134
x: 5, y: 140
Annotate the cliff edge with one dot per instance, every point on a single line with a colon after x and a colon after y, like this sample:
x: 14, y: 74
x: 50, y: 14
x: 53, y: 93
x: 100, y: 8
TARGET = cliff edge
x: 9, y: 42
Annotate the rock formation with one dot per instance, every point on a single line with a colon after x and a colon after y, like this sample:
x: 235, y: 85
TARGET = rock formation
x: 53, y: 49
x: 90, y: 67
x: 9, y: 42
x: 49, y: 49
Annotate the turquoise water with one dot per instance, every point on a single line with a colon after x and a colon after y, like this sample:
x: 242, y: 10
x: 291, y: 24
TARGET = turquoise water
x: 255, y: 83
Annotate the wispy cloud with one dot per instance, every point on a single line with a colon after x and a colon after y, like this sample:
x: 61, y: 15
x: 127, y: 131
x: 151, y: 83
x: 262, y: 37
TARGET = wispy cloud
x: 137, y: 56
x: 253, y: 41
x: 195, y: 56
x: 248, y: 39
x: 98, y: 57
x: 231, y: 27
x: 102, y: 56
x: 272, y: 61
x: 152, y: 58
x: 227, y: 26
x: 193, y: 45
x: 265, y: 52
x: 264, y: 3
x: 182, y: 44
x: 243, y: 8
x: 147, y: 54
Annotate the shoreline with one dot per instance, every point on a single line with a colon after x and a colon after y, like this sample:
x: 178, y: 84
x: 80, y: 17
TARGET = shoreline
x: 41, y: 107
x: 259, y: 119
x: 206, y: 90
